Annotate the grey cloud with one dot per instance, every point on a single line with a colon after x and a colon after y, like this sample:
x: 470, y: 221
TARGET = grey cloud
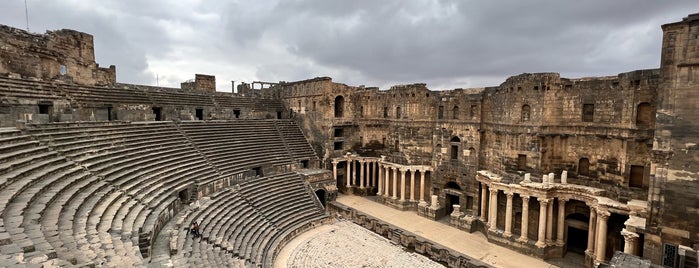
x: 446, y: 43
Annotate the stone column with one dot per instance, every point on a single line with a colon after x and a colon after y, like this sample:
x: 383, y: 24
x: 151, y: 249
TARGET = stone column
x: 493, y: 209
x: 543, y: 204
x: 549, y: 223
x: 508, y: 215
x: 591, y: 232
x: 422, y: 186
x: 412, y: 185
x: 561, y: 222
x: 395, y: 183
x: 380, y: 181
x: 361, y: 173
x: 484, y: 201
x: 601, y: 248
x: 630, y: 240
x: 387, y: 180
x: 376, y: 173
x: 402, y: 185
x: 348, y: 176
x: 525, y: 220
x: 564, y: 177
x: 334, y: 170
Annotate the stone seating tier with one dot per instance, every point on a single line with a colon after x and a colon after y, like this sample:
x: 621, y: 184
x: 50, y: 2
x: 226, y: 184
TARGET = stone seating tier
x: 98, y: 193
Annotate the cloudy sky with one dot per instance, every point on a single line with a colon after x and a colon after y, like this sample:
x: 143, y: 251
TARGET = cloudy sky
x: 444, y: 43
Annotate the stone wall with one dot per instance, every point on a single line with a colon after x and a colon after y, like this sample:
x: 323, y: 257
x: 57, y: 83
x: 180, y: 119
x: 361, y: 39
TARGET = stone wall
x: 64, y: 54
x: 432, y: 250
x: 674, y: 209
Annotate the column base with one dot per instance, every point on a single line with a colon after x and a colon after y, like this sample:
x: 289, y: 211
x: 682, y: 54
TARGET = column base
x: 507, y: 234
x: 540, y: 244
x: 523, y: 240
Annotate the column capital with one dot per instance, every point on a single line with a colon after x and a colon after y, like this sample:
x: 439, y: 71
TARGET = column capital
x: 544, y: 201
x: 525, y: 198
x: 628, y: 235
x: 493, y: 190
x: 603, y: 214
x: 509, y: 194
x: 335, y: 161
x: 562, y: 200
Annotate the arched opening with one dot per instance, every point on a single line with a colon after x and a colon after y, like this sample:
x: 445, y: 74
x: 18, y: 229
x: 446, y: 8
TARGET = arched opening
x: 584, y: 167
x: 320, y: 193
x: 454, y: 150
x: 398, y: 112
x: 455, y: 112
x: 578, y: 225
x: 452, y: 191
x: 643, y: 115
x: 339, y: 106
x: 526, y: 110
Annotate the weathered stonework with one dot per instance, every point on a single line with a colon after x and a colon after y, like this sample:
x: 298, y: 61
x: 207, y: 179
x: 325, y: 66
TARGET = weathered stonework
x: 541, y: 164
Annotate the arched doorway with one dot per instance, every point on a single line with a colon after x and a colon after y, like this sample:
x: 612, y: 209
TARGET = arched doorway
x: 321, y: 194
x: 339, y: 106
x: 452, y: 191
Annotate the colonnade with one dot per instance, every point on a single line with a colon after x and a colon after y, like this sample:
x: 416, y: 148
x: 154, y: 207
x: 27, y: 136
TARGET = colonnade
x: 399, y: 182
x: 366, y: 168
x: 597, y: 227
x: 391, y: 175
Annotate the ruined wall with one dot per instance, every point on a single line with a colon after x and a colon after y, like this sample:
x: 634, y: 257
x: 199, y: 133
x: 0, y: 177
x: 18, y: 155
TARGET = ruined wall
x: 675, y: 186
x: 64, y: 54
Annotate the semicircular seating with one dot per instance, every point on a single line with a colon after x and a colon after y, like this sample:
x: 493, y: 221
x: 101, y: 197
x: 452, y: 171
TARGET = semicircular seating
x: 99, y: 193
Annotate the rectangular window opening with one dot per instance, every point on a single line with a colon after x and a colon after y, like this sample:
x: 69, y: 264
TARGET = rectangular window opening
x: 522, y: 162
x: 199, y: 113
x: 337, y: 145
x: 588, y: 112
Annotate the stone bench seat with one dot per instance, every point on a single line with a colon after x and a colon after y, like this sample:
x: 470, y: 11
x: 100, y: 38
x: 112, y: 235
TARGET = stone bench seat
x: 108, y: 163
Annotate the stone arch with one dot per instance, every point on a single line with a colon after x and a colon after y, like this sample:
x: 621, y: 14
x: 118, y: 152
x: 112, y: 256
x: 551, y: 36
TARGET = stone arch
x: 526, y: 112
x: 339, y: 106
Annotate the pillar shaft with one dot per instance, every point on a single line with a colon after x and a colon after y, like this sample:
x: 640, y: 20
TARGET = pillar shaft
x: 508, y: 216
x: 422, y: 186
x: 361, y: 173
x: 335, y: 171
x: 591, y: 232
x: 549, y: 223
x: 525, y: 219
x: 395, y: 183
x: 402, y: 185
x: 412, y: 185
x: 380, y: 182
x: 493, y: 209
x: 484, y: 202
x: 561, y: 221
x: 348, y: 176
x: 387, y: 180
x: 543, y: 205
x: 600, y: 250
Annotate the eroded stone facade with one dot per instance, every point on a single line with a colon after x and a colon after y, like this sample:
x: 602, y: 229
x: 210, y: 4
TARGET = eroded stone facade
x: 540, y: 163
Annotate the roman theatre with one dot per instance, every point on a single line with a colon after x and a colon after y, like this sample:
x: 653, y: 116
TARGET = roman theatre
x: 540, y: 170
